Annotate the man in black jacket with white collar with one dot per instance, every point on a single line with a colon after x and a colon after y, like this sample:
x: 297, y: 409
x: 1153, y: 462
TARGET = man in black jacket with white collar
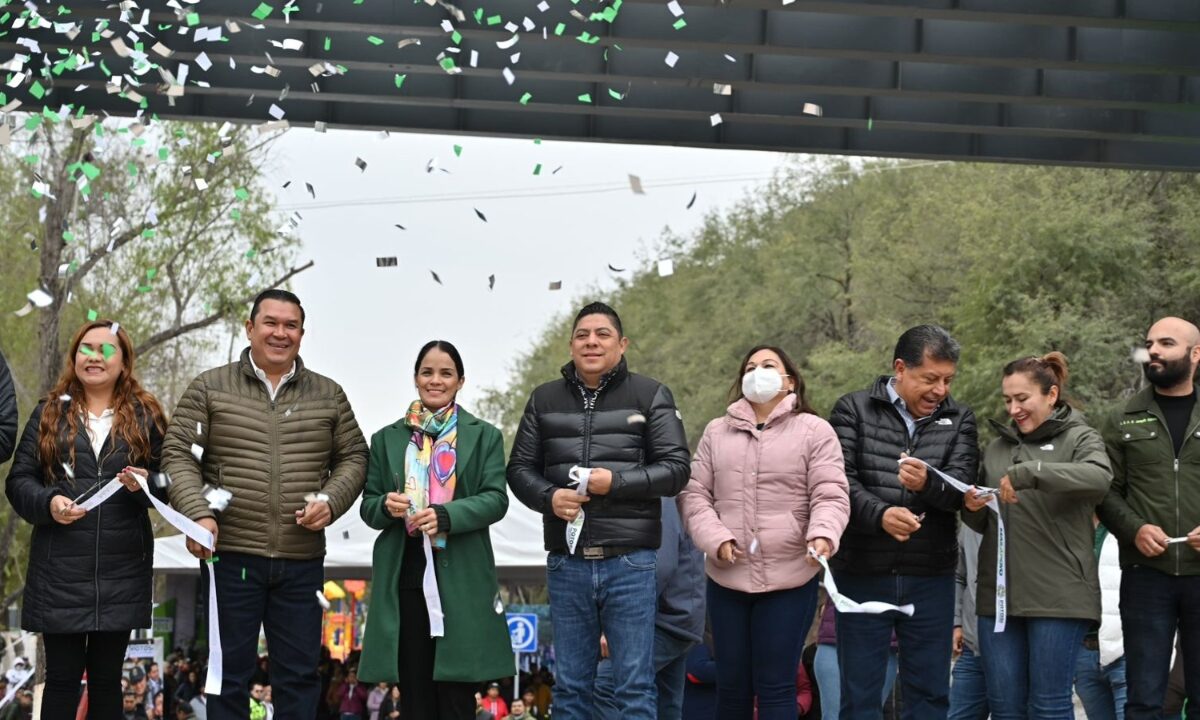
x: 901, y: 546
x: 619, y: 436
x: 8, y: 413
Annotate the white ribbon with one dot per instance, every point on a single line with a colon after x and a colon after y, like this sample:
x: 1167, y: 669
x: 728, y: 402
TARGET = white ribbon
x: 216, y: 661
x: 433, y: 601
x: 846, y: 605
x: 104, y: 493
x: 1001, y: 554
x: 575, y: 528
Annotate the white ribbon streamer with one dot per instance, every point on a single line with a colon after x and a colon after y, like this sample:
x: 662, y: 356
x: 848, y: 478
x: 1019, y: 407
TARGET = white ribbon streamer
x: 216, y: 661
x: 104, y: 493
x: 433, y: 601
x: 1002, y: 544
x: 846, y: 605
x: 575, y: 528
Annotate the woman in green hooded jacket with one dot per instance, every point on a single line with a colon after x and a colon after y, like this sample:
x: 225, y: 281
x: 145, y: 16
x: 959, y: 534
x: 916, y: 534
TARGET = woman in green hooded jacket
x: 435, y: 484
x: 1049, y: 470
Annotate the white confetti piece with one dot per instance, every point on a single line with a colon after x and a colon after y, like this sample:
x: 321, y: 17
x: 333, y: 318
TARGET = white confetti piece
x: 1141, y: 355
x: 276, y: 112
x: 509, y: 77
x: 636, y: 419
x: 730, y: 58
x: 666, y: 268
x: 671, y: 59
x: 40, y: 298
x: 812, y: 109
x: 715, y: 119
x: 635, y: 184
x: 506, y: 44
x: 722, y: 89
x: 197, y: 452
x: 543, y: 6
x: 675, y: 8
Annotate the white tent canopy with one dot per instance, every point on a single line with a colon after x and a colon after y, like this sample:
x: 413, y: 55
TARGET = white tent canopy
x: 516, y: 541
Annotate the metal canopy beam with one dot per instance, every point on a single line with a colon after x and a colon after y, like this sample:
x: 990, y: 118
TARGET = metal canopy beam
x: 1111, y: 83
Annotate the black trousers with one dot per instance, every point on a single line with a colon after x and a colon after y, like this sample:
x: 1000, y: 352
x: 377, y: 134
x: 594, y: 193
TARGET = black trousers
x: 102, y: 654
x: 420, y: 696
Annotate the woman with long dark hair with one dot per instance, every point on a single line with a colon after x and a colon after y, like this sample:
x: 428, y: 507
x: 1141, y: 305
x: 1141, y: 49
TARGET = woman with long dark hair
x: 435, y: 485
x: 88, y: 582
x: 768, y: 486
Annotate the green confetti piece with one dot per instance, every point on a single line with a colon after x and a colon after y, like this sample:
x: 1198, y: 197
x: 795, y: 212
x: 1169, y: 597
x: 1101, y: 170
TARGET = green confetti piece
x: 63, y: 11
x: 164, y: 153
x: 585, y: 37
x: 680, y: 24
x: 456, y: 37
x: 149, y: 233
x: 251, y: 254
x: 526, y: 98
x: 447, y: 63
x: 91, y: 171
x: 87, y: 351
x: 537, y: 141
x: 235, y: 214
x: 537, y: 169
x: 327, y: 44
x: 458, y: 151
x: 106, y: 72
x: 478, y: 16
x: 242, y: 194
x: 263, y: 11
x: 144, y: 288
x: 68, y: 236
x: 356, y: 2
x: 92, y: 315
x: 400, y: 80
x: 193, y: 19
x: 494, y: 20
x: 585, y: 98
x: 109, y: 350
x: 374, y: 40
x: 151, y: 273
x: 615, y: 95
x: 37, y: 90
x: 560, y: 28
x: 870, y: 123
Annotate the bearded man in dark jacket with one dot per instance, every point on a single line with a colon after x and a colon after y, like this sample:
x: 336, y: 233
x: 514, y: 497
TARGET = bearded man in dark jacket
x: 595, y: 453
x: 901, y: 545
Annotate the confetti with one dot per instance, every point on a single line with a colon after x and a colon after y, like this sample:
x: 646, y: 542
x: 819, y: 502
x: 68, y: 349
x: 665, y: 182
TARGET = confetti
x: 386, y: 262
x: 1141, y: 355
x: 671, y: 59
x: 218, y: 498
x: 491, y: 282
x: 636, y: 419
x: 323, y: 601
x: 40, y: 298
x: 635, y: 184
x: 311, y: 191
x: 812, y: 109
x: 715, y: 119
x: 556, y: 285
x: 722, y: 89
x: 509, y: 76
x: 480, y: 215
x: 615, y: 269
x: 675, y: 8
x: 92, y: 315
x: 400, y: 226
x: 436, y: 279
x: 262, y: 12
x: 362, y: 164
x: 666, y: 268
x: 197, y: 452
x: 692, y: 201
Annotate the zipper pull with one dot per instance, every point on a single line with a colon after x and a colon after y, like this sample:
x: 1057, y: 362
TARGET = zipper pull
x: 1176, y: 464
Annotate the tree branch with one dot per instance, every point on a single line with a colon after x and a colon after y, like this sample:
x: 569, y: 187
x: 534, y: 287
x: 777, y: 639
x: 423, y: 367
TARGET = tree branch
x: 171, y: 333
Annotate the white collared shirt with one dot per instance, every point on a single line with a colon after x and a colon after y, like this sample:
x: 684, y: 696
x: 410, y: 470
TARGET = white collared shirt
x: 98, y: 429
x: 272, y: 390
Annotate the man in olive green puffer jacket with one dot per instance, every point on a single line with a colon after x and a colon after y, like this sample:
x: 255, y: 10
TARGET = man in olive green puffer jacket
x: 283, y: 441
x: 1153, y: 509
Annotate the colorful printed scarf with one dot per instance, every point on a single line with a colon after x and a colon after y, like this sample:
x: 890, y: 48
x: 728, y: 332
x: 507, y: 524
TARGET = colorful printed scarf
x: 430, y: 461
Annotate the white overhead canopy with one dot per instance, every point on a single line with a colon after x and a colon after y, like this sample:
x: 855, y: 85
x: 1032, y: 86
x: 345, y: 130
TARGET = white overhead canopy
x: 516, y: 541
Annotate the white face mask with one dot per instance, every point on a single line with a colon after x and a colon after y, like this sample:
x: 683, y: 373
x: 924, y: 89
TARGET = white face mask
x: 762, y: 384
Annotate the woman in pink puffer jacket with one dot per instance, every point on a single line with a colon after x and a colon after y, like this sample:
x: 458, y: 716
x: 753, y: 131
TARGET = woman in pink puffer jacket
x: 768, y: 484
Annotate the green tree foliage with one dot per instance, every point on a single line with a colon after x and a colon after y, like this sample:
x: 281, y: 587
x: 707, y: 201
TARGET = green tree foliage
x: 164, y: 228
x: 832, y: 261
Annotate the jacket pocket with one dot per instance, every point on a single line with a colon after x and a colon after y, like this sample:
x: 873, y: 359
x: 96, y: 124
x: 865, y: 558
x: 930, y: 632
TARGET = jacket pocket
x: 1141, y: 446
x: 555, y: 561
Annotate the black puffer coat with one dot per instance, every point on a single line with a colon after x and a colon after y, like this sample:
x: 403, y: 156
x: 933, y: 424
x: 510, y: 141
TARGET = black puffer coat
x: 649, y: 458
x: 96, y: 573
x: 8, y: 412
x: 873, y: 436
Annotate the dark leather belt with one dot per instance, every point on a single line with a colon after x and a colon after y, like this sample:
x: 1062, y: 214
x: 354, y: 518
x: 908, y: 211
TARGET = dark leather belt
x: 603, y: 552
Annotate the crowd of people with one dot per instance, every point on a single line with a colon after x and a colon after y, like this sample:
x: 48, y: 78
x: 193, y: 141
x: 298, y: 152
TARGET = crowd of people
x: 892, y: 495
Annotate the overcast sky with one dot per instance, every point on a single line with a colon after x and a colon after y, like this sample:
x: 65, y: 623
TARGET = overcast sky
x: 365, y: 324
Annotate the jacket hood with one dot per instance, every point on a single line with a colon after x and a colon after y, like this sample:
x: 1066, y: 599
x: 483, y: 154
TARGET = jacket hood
x: 741, y: 413
x: 1062, y: 419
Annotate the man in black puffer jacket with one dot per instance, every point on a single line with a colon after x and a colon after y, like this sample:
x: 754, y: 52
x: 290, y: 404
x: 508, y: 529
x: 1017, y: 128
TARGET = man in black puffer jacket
x: 901, y: 545
x: 626, y: 430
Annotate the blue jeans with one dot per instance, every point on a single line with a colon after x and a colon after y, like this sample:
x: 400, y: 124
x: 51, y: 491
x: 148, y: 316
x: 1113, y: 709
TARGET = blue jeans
x: 968, y: 688
x: 1030, y: 667
x: 757, y: 642
x: 925, y: 645
x: 1100, y: 689
x: 670, y: 674
x: 829, y: 680
x: 615, y: 596
x: 280, y: 596
x: 1153, y: 605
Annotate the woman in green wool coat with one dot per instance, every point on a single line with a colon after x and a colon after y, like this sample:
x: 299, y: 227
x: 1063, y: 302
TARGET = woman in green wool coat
x: 435, y: 484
